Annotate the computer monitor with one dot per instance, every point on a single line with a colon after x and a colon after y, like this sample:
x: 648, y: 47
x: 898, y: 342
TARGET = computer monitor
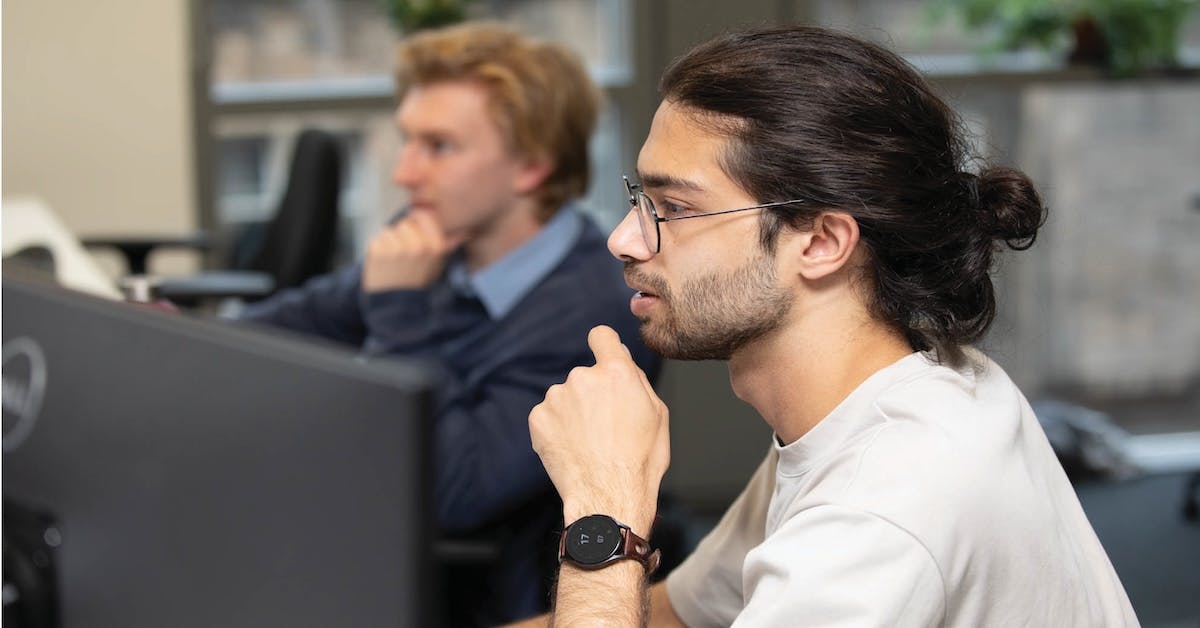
x: 161, y: 470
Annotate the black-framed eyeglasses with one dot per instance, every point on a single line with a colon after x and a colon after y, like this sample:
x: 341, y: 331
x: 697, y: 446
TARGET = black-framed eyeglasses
x: 648, y: 218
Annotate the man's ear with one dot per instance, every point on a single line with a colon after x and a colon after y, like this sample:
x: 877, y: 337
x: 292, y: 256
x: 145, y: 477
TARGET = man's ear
x: 531, y: 174
x: 827, y: 246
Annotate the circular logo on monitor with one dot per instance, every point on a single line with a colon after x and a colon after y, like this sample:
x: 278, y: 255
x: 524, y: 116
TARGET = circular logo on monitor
x: 24, y: 387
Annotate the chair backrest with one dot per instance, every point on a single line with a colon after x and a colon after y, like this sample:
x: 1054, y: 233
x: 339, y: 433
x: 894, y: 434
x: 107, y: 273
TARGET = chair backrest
x: 300, y: 240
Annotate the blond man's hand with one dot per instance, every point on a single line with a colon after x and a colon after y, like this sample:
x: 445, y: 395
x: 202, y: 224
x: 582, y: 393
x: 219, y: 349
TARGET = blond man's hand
x: 410, y: 253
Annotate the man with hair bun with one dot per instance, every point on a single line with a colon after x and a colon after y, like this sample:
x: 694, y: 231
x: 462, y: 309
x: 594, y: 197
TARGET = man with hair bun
x: 493, y: 276
x: 803, y: 208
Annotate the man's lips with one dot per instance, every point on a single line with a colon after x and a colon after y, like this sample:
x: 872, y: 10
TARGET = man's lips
x: 648, y: 289
x: 645, y: 298
x: 642, y: 292
x: 643, y: 288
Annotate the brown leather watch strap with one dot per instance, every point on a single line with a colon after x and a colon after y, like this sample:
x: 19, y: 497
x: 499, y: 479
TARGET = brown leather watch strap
x: 637, y: 548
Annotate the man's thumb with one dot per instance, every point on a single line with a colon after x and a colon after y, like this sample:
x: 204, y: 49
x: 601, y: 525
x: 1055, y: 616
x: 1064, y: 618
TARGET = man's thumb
x: 606, y: 344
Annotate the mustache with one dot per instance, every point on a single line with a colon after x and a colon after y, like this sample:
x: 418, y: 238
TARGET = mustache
x: 649, y: 283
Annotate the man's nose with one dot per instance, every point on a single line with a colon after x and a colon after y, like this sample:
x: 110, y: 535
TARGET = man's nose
x: 627, y: 243
x: 407, y: 170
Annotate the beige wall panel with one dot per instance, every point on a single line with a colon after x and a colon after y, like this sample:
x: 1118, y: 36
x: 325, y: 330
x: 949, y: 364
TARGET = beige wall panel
x: 97, y: 113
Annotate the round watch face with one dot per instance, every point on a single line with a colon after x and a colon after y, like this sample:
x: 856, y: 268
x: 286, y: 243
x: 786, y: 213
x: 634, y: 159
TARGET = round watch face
x: 592, y: 539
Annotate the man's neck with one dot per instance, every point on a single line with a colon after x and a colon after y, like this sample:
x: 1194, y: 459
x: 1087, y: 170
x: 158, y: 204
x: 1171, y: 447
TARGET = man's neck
x: 796, y: 376
x: 505, y: 233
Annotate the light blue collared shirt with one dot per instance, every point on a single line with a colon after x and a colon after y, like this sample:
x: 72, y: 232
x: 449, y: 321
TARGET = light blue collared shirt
x: 502, y: 284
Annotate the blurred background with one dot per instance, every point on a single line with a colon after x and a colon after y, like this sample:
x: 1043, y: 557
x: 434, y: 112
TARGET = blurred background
x: 163, y: 117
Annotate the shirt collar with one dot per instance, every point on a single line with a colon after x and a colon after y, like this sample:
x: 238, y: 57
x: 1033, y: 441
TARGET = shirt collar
x: 502, y: 284
x: 849, y: 417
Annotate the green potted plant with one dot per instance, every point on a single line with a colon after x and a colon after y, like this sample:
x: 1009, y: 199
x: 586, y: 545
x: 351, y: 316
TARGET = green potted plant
x: 413, y: 15
x: 1126, y: 36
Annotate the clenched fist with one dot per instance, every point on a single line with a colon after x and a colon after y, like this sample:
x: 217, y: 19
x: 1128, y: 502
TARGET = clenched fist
x: 410, y: 253
x: 603, y: 437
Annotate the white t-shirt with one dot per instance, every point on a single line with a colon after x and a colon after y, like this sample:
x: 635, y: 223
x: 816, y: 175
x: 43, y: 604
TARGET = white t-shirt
x: 929, y: 497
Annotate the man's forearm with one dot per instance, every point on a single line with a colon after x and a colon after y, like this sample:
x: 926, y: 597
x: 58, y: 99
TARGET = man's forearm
x: 662, y: 614
x: 615, y: 595
x: 603, y: 438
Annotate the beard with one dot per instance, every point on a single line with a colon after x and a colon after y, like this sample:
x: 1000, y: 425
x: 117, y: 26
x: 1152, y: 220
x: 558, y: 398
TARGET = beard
x: 713, y: 315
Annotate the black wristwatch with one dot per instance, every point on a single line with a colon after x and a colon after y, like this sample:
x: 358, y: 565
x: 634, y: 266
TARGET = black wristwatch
x: 598, y: 540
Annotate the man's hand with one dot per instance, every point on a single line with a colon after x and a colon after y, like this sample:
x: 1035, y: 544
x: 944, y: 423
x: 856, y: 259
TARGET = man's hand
x: 408, y: 254
x: 603, y: 437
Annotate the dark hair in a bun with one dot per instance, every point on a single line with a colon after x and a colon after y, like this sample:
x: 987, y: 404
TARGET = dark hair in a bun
x: 1010, y: 206
x: 846, y: 124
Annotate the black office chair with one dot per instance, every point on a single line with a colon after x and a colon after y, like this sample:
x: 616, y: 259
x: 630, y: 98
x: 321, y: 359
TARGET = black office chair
x: 299, y: 241
x: 296, y: 244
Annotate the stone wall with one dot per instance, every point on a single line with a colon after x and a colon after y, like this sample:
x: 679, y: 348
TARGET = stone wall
x: 1107, y: 304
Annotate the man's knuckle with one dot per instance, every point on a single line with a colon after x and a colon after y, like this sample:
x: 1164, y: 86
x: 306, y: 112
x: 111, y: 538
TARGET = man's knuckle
x: 578, y: 373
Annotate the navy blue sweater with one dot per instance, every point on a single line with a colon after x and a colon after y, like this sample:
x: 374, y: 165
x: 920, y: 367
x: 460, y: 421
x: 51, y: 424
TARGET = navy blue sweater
x: 492, y: 374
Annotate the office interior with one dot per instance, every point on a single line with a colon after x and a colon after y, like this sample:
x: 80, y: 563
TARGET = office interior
x: 161, y: 120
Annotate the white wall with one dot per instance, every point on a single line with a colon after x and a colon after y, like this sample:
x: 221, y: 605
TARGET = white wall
x: 97, y: 112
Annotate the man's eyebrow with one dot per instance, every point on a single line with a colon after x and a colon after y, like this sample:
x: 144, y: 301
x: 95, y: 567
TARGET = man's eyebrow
x: 653, y: 181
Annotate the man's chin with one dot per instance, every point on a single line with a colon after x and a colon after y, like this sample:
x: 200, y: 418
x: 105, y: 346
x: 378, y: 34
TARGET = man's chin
x: 673, y: 346
x: 454, y: 233
x: 654, y: 339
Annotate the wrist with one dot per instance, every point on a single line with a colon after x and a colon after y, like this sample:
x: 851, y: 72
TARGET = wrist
x: 377, y: 286
x: 639, y: 517
x: 600, y: 541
